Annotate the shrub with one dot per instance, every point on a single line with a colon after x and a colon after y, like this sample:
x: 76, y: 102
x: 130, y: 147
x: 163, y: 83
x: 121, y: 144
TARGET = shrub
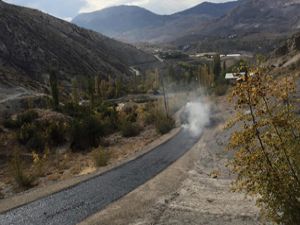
x: 26, y: 132
x: 10, y: 123
x: 129, y: 129
x: 75, y: 110
x: 164, y: 124
x: 32, y: 136
x: 27, y: 117
x: 101, y: 157
x: 56, y: 133
x: 37, y: 142
x: 86, y: 133
x: 22, y: 179
x: 149, y: 118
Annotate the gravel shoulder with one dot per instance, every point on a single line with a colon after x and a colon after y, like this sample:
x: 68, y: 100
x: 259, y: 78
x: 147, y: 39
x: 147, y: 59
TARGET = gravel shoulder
x: 194, y: 190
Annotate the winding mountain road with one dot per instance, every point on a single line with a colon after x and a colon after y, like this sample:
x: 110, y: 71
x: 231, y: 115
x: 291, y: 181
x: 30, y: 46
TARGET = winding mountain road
x: 73, y: 205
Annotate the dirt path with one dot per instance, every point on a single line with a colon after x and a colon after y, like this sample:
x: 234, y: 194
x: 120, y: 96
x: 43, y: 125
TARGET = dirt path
x: 194, y: 190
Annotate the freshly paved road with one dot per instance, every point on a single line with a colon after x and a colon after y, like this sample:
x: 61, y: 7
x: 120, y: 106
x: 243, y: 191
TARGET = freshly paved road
x: 73, y: 205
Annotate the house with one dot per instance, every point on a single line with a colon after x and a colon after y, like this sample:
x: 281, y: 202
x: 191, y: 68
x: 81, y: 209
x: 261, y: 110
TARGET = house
x: 233, y: 77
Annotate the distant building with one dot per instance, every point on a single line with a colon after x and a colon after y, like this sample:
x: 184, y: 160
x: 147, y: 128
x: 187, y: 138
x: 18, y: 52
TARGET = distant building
x: 233, y: 55
x: 236, y: 76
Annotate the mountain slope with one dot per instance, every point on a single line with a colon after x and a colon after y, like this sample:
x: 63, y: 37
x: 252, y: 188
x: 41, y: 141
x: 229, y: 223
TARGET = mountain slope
x: 288, y: 54
x: 31, y: 42
x: 135, y: 24
x: 209, y: 9
x: 250, y: 16
x: 254, y: 25
x: 116, y: 20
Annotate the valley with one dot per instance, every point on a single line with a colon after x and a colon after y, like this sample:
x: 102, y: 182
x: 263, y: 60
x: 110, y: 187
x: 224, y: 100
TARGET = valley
x: 126, y: 116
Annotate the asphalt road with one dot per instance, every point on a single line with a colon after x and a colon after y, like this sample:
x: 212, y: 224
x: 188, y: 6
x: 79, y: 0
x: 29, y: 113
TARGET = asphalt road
x: 73, y: 205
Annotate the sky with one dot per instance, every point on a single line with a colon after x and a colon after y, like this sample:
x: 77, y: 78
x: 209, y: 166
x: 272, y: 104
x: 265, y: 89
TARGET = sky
x: 68, y: 9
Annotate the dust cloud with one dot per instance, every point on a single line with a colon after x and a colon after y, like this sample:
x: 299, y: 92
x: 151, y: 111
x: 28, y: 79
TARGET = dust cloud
x: 196, y: 117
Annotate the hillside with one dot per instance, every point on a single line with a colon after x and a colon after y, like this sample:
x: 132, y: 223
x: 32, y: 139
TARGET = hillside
x: 135, y: 24
x: 249, y: 25
x: 209, y: 9
x: 254, y: 25
x: 288, y: 54
x: 31, y: 42
x: 259, y: 16
x: 116, y: 20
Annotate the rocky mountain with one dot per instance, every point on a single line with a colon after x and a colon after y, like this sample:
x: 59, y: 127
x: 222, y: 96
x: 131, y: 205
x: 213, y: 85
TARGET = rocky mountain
x: 135, y: 24
x: 254, y: 25
x: 31, y: 42
x: 116, y: 20
x: 214, y: 10
x: 249, y: 25
x: 254, y: 16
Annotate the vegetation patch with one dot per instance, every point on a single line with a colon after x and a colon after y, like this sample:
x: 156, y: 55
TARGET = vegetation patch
x: 101, y: 157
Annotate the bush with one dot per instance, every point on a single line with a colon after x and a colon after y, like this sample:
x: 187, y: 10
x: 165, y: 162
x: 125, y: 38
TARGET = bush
x: 23, y: 118
x: 37, y: 142
x: 101, y: 157
x: 149, y: 118
x: 75, y: 110
x: 56, y: 133
x: 86, y: 133
x: 129, y: 129
x: 23, y: 180
x: 27, y: 117
x: 32, y: 136
x: 164, y: 124
x: 10, y: 124
x: 26, y: 132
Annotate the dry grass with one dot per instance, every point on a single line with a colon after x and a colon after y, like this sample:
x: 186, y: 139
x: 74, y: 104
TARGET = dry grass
x: 101, y: 157
x: 23, y: 179
x: 54, y: 167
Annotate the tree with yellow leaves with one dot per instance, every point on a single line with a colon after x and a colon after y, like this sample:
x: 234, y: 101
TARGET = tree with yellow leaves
x: 267, y: 145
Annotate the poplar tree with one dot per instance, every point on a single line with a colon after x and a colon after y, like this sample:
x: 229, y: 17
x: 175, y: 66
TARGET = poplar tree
x: 267, y: 155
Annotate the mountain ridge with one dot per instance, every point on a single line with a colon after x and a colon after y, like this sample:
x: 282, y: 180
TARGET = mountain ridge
x: 31, y: 41
x: 246, y: 25
x: 156, y: 28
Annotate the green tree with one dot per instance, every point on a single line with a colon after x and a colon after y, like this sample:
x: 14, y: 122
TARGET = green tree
x: 266, y: 147
x: 54, y: 89
x: 224, y: 66
x: 217, y: 67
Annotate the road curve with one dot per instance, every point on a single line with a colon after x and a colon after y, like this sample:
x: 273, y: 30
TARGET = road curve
x: 73, y: 205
